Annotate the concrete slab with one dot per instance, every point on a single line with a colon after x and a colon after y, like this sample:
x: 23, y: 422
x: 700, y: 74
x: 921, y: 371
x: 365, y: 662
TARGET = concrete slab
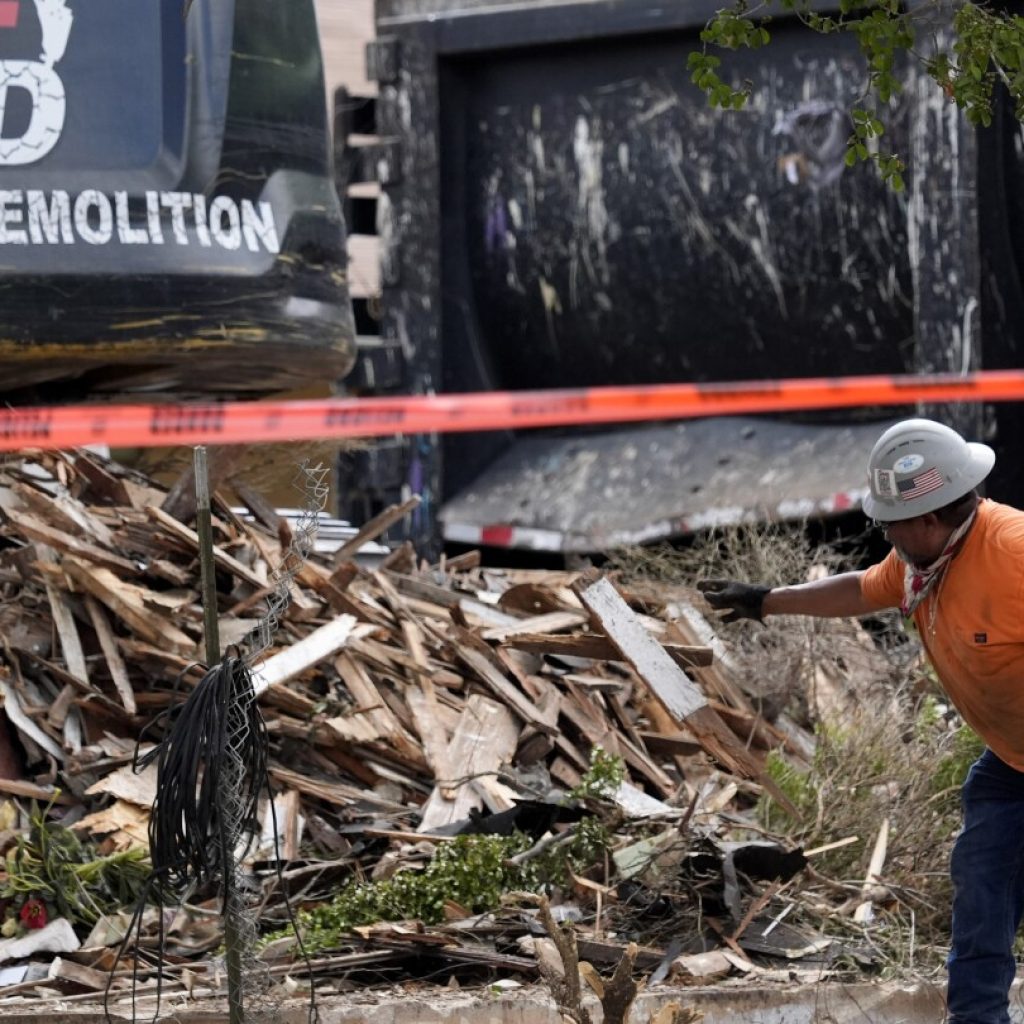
x: 831, y: 1002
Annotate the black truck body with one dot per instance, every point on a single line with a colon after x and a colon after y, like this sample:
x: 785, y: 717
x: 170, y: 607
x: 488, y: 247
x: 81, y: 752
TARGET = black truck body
x: 168, y: 219
x: 560, y: 207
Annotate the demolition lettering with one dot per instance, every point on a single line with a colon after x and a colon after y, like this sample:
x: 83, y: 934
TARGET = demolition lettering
x: 33, y: 217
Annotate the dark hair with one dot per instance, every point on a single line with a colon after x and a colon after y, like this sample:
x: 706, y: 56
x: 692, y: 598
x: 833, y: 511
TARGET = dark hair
x: 958, y: 510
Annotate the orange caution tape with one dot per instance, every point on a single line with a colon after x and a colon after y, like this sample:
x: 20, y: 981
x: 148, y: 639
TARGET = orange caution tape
x: 121, y: 426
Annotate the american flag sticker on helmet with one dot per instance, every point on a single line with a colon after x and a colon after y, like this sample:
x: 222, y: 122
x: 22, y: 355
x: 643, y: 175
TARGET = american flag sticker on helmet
x: 924, y: 483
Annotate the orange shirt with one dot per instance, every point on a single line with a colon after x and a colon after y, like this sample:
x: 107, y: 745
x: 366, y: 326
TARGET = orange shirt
x: 972, y: 625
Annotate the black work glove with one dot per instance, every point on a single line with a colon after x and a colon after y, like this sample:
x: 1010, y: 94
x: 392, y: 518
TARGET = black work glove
x: 741, y: 600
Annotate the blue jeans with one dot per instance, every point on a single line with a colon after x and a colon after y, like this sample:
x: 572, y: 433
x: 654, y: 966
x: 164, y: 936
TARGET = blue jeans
x: 987, y: 869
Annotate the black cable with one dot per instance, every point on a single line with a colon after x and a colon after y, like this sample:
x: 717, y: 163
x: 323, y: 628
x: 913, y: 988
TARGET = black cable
x: 188, y: 838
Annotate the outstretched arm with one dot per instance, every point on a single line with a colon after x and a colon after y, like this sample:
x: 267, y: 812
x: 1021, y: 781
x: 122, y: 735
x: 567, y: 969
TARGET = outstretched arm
x: 833, y: 597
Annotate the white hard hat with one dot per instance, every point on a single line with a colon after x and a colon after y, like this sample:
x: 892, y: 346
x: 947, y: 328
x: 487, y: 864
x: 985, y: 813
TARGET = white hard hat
x: 917, y: 466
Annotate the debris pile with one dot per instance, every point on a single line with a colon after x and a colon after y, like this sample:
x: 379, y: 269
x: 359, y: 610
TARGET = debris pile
x: 546, y: 729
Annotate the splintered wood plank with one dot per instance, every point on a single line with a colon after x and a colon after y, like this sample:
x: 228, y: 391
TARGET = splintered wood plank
x: 331, y: 792
x: 649, y: 659
x: 125, y: 600
x: 423, y: 590
x: 191, y: 538
x: 300, y: 606
x: 97, y: 702
x: 402, y: 559
x: 391, y: 598
x: 58, y: 712
x: 24, y: 724
x: 288, y: 809
x: 62, y: 512
x: 165, y: 570
x: 370, y: 705
x: 111, y: 652
x: 423, y: 704
x: 67, y: 632
x: 67, y: 974
x: 263, y: 509
x: 690, y: 626
x: 103, y: 485
x: 309, y: 651
x: 477, y: 613
x: 679, y: 695
x: 600, y: 648
x: 865, y: 911
x: 291, y: 700
x: 477, y: 656
x: 675, y: 744
x: 332, y: 588
x: 484, y: 739
x: 390, y: 658
x: 29, y: 790
x: 384, y: 720
x: 375, y: 527
x: 551, y: 622
x: 430, y: 727
x: 64, y: 542
x: 460, y: 563
x: 596, y: 728
x: 662, y: 723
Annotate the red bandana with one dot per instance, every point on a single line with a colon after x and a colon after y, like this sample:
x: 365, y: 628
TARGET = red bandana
x: 918, y: 582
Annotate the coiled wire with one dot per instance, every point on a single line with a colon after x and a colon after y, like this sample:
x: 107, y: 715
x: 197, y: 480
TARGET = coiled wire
x: 190, y: 843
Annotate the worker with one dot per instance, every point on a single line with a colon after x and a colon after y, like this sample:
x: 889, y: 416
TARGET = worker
x: 957, y: 568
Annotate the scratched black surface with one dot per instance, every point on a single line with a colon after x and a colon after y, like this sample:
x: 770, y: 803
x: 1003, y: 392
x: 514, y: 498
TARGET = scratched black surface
x: 618, y: 230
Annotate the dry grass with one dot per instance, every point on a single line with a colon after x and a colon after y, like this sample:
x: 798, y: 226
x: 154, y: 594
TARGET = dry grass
x: 899, y: 761
x: 804, y: 666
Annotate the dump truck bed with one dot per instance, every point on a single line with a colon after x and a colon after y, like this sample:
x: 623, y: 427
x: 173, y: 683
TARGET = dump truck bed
x: 601, y: 491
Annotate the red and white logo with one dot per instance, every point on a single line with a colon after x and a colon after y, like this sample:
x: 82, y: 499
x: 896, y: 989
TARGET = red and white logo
x: 39, y: 79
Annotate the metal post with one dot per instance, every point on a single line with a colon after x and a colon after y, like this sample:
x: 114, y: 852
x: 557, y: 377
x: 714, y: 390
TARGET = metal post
x: 211, y: 636
x: 208, y: 579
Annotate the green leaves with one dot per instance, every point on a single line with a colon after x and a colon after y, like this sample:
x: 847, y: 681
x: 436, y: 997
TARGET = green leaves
x: 863, y: 145
x: 602, y: 778
x: 704, y: 76
x: 731, y: 29
x: 882, y: 34
x: 472, y: 871
x: 987, y: 47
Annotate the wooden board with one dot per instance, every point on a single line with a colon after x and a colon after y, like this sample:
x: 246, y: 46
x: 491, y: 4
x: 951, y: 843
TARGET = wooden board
x: 484, y: 739
x: 679, y: 695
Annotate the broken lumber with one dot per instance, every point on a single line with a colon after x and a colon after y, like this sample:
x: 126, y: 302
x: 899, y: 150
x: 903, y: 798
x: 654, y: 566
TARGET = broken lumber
x: 680, y: 696
x: 600, y: 648
x: 308, y: 652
